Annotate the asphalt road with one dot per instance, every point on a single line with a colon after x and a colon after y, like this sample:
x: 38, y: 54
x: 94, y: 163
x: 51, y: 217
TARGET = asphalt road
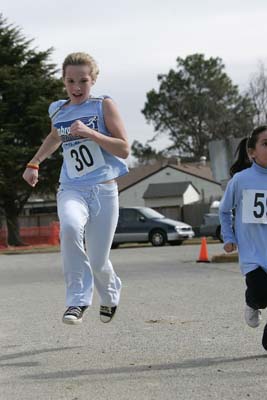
x: 179, y: 332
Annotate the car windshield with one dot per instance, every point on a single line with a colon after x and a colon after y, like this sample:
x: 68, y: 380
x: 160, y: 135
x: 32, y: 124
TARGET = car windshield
x: 150, y: 213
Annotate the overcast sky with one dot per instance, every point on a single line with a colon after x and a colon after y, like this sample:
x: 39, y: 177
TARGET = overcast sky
x: 135, y: 40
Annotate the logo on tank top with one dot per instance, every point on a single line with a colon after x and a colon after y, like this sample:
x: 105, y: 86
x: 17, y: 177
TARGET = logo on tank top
x: 63, y: 128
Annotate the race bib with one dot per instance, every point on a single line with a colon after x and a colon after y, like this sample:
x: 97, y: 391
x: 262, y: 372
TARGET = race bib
x: 82, y: 157
x: 254, y: 206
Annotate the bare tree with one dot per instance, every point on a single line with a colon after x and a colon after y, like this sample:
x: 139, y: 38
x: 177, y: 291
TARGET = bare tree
x: 258, y: 94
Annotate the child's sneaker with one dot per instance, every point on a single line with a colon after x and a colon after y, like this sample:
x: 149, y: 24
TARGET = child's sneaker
x: 73, y: 315
x: 107, y: 313
x: 252, y: 317
x: 264, y: 337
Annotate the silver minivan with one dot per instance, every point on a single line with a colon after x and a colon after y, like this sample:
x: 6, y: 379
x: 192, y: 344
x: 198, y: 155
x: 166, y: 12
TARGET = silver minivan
x: 143, y: 224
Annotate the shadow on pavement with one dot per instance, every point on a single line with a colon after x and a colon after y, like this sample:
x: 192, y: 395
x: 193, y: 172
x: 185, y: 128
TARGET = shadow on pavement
x: 194, y: 363
x: 33, y: 353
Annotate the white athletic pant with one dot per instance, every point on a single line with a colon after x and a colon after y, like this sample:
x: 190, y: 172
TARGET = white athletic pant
x: 91, y: 213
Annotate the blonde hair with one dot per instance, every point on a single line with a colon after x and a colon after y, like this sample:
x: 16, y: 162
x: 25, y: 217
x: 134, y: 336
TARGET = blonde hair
x: 81, y: 59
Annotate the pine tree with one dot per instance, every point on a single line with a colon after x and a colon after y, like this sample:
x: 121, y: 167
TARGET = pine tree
x: 28, y: 83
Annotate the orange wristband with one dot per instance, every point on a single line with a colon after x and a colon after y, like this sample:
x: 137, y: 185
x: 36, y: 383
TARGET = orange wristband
x: 33, y: 166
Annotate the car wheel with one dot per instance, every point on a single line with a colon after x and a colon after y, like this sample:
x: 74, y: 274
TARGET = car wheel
x: 218, y: 233
x: 158, y: 238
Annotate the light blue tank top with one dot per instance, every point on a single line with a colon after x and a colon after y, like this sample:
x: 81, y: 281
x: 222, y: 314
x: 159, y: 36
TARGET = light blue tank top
x: 84, y: 162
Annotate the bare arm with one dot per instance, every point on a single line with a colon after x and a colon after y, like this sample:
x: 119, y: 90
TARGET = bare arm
x: 116, y: 144
x: 48, y: 147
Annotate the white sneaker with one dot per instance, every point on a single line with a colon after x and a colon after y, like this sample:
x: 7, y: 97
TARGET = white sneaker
x: 252, y: 317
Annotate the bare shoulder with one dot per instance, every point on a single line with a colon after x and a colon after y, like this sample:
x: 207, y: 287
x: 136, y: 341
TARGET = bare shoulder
x: 109, y: 106
x: 113, y: 119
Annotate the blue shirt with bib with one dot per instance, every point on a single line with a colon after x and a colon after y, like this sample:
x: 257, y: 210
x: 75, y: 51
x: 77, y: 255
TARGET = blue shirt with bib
x: 246, y: 193
x: 85, y: 162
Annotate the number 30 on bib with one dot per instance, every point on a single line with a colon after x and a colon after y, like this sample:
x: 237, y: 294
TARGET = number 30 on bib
x: 82, y: 157
x: 254, y: 207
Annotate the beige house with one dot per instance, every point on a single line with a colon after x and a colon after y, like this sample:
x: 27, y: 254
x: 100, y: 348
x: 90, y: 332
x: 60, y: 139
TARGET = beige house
x: 182, y: 191
x: 169, y: 198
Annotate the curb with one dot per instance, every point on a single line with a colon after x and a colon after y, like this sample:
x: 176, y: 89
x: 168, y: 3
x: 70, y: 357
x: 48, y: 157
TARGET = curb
x: 224, y: 258
x: 29, y: 250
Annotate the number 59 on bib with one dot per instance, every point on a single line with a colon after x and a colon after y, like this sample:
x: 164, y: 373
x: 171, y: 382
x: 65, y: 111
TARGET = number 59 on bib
x: 254, y: 206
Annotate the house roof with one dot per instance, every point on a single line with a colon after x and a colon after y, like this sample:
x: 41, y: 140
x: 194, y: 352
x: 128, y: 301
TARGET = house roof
x: 170, y: 189
x: 142, y: 172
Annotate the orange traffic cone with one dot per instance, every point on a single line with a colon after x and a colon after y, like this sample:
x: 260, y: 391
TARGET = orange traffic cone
x: 203, y: 254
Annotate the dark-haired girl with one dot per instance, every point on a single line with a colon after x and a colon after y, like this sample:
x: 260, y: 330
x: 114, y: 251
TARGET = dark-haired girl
x: 246, y: 196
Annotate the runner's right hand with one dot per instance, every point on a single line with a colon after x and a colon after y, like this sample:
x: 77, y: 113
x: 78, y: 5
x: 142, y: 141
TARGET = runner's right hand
x: 229, y: 247
x: 31, y: 176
